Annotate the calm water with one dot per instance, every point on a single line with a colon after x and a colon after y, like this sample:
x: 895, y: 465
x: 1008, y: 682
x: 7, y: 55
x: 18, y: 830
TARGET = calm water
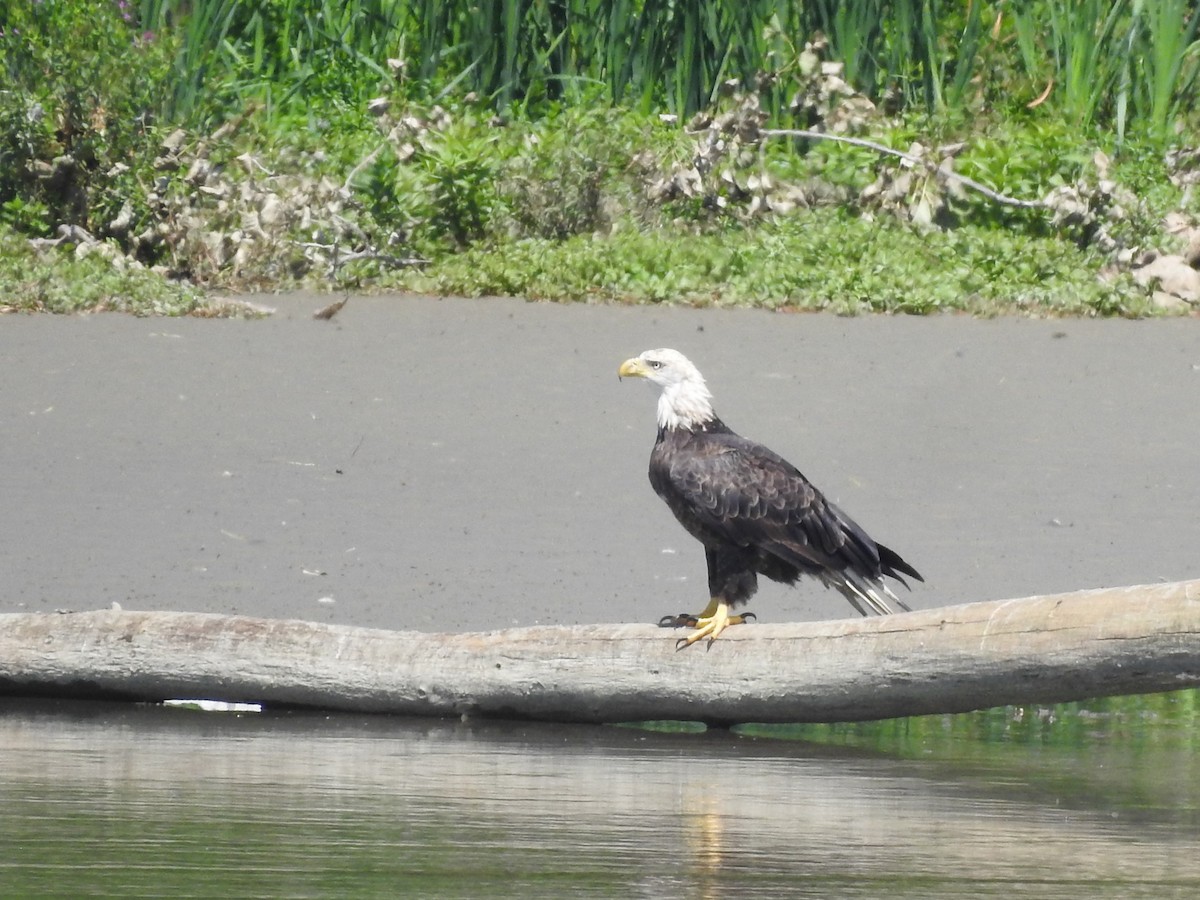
x: 100, y: 800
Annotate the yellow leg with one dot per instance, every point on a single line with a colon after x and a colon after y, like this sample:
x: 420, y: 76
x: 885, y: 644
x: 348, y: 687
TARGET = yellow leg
x: 710, y: 623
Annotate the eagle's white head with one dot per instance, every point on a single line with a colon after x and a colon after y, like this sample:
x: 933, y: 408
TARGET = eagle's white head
x: 685, y: 401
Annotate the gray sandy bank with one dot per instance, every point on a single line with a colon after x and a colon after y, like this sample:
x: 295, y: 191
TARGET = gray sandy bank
x: 451, y: 465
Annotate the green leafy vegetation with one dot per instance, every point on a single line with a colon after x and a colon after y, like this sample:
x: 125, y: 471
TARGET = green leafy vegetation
x: 547, y: 150
x: 50, y: 281
x: 828, y: 261
x: 78, y: 125
x: 1162, y: 720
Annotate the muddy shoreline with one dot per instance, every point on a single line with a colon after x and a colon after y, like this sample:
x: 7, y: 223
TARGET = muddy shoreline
x: 448, y: 465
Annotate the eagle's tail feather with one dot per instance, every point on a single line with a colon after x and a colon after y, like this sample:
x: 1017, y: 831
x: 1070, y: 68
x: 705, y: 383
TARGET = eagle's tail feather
x: 864, y: 593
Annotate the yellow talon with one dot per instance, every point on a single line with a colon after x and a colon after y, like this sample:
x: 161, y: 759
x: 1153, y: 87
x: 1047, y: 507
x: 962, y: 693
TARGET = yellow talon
x: 710, y: 624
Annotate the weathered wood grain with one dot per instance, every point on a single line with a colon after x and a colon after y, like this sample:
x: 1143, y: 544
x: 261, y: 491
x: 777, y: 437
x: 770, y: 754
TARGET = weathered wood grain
x: 1045, y: 649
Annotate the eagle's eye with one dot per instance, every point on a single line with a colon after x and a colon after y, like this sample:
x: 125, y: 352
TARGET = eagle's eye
x: 655, y: 363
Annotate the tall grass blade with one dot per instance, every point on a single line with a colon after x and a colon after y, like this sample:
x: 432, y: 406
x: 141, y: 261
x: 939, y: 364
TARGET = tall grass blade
x: 1110, y: 61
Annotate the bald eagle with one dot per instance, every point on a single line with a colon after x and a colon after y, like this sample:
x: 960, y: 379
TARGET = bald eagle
x: 753, y: 511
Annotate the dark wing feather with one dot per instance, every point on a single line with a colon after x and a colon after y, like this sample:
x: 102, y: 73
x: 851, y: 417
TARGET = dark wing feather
x: 746, y: 494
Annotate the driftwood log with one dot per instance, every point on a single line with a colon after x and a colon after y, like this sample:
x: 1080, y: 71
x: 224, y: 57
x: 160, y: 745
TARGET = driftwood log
x: 1035, y: 650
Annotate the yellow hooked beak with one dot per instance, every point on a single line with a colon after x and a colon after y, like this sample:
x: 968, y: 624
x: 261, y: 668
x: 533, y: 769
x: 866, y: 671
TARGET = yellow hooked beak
x: 632, y: 368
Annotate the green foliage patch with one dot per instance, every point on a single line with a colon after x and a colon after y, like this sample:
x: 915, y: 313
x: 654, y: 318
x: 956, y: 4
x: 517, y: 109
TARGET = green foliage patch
x: 79, y: 119
x: 524, y: 148
x: 823, y: 260
x: 57, y: 282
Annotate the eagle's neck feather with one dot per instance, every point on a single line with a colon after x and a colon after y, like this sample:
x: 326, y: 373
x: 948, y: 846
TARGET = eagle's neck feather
x: 685, y: 404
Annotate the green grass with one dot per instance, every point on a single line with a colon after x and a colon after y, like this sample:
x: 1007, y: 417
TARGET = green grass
x: 521, y: 145
x: 1111, y: 62
x: 821, y: 260
x: 55, y: 281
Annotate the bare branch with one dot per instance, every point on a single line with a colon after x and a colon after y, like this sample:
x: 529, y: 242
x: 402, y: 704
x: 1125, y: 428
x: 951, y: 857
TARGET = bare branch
x: 915, y: 160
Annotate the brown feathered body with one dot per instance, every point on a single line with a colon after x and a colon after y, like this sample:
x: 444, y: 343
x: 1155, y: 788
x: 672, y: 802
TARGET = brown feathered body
x: 753, y: 511
x: 756, y: 514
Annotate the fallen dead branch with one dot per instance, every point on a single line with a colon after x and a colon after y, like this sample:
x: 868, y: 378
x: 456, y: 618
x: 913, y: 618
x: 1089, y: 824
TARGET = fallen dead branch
x: 1043, y: 649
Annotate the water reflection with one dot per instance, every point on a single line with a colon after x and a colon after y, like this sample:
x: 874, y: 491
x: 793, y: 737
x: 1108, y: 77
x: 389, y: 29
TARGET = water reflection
x: 110, y: 800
